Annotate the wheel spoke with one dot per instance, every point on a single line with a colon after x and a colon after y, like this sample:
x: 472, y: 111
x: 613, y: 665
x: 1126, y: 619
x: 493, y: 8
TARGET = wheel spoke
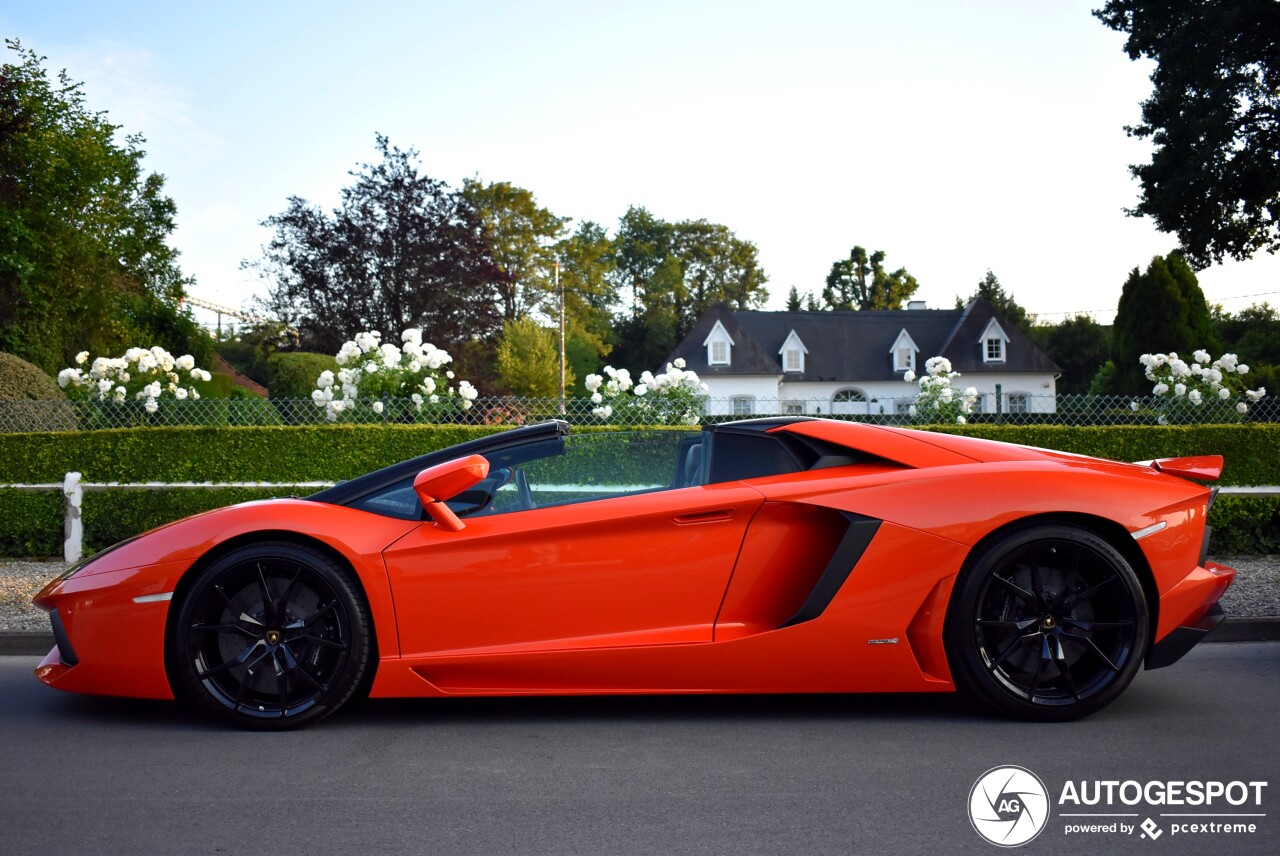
x: 1035, y: 679
x: 1091, y: 590
x: 317, y: 614
x: 1017, y: 590
x: 223, y: 628
x: 237, y: 660
x: 1089, y: 626
x: 1007, y: 625
x: 268, y: 605
x: 1088, y: 643
x: 283, y: 601
x: 1060, y: 660
x: 1037, y: 585
x: 282, y: 686
x: 995, y: 664
x: 317, y: 640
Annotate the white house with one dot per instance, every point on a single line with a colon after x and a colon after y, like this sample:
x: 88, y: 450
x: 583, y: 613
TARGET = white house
x: 853, y: 362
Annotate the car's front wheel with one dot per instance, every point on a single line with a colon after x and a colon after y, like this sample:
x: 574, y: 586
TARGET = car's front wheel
x: 1048, y: 623
x: 272, y: 635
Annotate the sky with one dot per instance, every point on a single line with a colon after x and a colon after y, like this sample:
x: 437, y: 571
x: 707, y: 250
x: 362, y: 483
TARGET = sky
x: 955, y: 137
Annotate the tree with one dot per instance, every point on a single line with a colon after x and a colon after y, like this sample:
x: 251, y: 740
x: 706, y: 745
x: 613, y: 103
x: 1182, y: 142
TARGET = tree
x: 861, y: 282
x: 990, y: 288
x: 521, y: 237
x: 85, y: 262
x: 401, y: 250
x: 1213, y: 179
x: 1080, y: 346
x: 1253, y: 334
x: 793, y: 300
x: 1161, y: 310
x: 529, y: 360
x: 590, y: 297
x: 672, y: 274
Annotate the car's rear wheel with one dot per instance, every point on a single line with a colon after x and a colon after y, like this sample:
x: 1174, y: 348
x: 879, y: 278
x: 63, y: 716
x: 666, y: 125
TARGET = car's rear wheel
x: 1047, y: 623
x: 272, y: 635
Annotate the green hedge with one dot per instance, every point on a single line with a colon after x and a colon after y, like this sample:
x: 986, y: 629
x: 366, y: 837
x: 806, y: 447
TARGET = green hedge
x: 31, y: 523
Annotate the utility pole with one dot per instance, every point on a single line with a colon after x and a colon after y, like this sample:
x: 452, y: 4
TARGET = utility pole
x: 560, y: 289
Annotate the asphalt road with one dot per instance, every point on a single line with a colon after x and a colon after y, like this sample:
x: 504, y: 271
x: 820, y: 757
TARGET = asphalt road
x: 769, y: 775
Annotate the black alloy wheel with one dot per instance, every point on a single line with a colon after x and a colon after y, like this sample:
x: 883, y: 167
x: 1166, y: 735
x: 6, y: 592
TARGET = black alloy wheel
x: 272, y: 635
x: 1048, y: 623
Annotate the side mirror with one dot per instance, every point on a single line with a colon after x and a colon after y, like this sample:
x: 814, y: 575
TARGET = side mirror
x: 444, y: 481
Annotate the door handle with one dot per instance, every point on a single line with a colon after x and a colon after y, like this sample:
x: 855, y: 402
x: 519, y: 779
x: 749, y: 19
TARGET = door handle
x: 715, y: 516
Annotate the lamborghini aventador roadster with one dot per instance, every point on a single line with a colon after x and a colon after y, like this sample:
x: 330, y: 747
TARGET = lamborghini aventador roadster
x: 786, y: 555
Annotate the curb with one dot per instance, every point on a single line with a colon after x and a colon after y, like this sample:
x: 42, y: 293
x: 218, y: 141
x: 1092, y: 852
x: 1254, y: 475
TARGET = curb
x: 23, y: 643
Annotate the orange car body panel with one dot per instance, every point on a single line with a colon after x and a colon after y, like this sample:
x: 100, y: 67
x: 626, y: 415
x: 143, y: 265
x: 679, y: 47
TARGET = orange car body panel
x: 686, y: 590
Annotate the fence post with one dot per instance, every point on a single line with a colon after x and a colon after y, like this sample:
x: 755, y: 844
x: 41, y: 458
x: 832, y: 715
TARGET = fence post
x: 72, y: 526
x: 999, y: 405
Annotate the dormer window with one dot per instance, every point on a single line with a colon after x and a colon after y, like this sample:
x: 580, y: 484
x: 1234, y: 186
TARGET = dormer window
x: 993, y: 342
x: 904, y: 352
x: 793, y: 352
x: 718, y: 344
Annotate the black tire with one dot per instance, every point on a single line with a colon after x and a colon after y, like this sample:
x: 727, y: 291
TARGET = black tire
x: 272, y: 635
x: 1047, y: 623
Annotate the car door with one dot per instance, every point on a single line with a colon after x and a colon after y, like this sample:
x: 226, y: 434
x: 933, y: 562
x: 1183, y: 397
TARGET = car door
x: 594, y: 547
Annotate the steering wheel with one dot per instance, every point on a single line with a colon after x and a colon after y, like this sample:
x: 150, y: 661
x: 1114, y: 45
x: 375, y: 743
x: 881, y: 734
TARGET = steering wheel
x: 522, y: 487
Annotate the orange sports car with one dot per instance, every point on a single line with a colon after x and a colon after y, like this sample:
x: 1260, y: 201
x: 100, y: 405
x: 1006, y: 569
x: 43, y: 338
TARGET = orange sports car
x: 786, y: 555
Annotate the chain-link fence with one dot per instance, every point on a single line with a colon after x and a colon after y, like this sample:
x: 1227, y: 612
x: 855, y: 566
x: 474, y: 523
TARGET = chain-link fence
x: 19, y: 416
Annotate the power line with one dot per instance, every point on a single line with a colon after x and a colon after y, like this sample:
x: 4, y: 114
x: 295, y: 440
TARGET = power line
x: 1207, y: 300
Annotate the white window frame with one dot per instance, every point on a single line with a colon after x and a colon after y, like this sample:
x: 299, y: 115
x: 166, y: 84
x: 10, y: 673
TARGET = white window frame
x: 742, y: 405
x: 1024, y: 399
x: 903, y: 352
x: 718, y: 353
x: 719, y: 345
x: 994, y: 343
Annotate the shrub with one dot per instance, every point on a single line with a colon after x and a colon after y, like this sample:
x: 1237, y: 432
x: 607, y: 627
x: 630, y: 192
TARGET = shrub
x: 37, y: 404
x: 293, y: 374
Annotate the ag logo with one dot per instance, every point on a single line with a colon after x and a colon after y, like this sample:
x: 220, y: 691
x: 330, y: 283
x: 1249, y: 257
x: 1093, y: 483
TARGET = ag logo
x: 1008, y: 806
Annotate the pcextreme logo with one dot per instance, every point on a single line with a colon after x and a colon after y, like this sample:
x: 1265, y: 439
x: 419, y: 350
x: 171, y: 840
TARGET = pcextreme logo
x: 1008, y: 806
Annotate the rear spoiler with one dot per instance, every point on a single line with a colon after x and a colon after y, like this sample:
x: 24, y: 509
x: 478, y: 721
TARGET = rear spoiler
x: 1199, y: 467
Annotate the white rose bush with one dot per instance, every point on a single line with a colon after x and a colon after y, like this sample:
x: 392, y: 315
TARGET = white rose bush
x: 675, y: 397
x: 389, y: 381
x: 1203, y: 390
x: 141, y: 378
x: 937, y: 402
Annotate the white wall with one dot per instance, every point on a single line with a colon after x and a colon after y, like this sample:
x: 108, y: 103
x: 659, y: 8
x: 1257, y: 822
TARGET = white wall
x: 770, y: 393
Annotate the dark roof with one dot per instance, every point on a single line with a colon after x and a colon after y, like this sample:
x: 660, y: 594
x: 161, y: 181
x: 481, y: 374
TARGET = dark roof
x: 855, y: 345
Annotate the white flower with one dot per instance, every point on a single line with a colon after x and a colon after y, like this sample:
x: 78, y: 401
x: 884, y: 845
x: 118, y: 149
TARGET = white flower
x: 325, y: 380
x: 1194, y: 396
x: 180, y: 393
x: 912, y: 411
x: 1133, y: 405
x: 412, y: 335
x: 428, y: 385
x: 1202, y: 356
x: 82, y: 357
x: 909, y: 376
x: 449, y: 375
x: 151, y: 405
x: 596, y: 398
x: 1242, y: 408
x: 1242, y: 369
x: 592, y: 382
x: 641, y: 389
x: 318, y: 397
x: 186, y: 362
x: 960, y: 420
x: 377, y: 407
x: 603, y: 412
x: 679, y: 362
x: 1224, y: 393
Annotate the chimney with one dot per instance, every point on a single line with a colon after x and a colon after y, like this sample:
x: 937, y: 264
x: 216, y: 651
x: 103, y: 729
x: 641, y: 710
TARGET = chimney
x: 916, y: 304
